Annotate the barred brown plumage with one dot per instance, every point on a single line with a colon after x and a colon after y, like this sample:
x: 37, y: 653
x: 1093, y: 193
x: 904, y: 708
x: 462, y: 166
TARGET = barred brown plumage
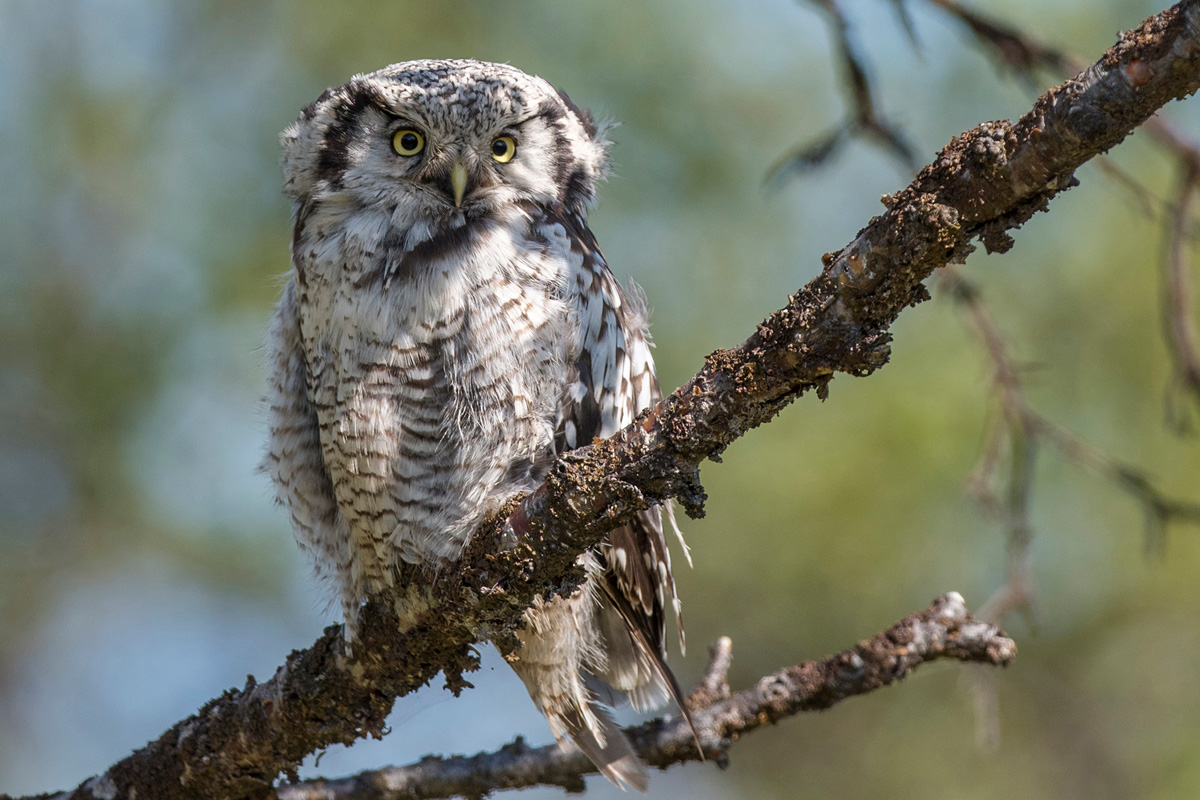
x: 449, y: 327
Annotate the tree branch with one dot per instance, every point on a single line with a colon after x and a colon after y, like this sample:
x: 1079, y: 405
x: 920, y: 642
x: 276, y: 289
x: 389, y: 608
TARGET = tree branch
x: 1027, y: 428
x: 1179, y: 309
x: 1025, y: 53
x: 984, y: 183
x: 945, y: 630
x: 1005, y: 493
x: 862, y: 120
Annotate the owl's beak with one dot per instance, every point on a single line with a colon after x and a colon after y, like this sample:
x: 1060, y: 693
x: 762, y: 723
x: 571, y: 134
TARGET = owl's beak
x: 458, y: 182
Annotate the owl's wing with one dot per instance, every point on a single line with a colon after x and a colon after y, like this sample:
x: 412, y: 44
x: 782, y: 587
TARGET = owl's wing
x: 294, y: 459
x: 612, y: 380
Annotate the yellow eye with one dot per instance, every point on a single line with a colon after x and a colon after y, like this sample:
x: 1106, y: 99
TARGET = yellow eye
x: 408, y: 142
x: 504, y: 148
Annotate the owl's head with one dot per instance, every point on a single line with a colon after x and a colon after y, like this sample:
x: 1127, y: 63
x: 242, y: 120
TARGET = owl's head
x: 444, y: 141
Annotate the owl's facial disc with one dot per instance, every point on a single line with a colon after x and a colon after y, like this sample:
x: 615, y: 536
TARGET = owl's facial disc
x: 437, y: 144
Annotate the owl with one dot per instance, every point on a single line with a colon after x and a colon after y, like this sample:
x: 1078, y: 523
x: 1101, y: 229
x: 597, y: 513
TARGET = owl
x: 448, y: 328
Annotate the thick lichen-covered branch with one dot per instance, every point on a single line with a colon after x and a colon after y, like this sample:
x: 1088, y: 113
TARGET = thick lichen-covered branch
x: 1025, y: 53
x: 984, y: 183
x: 945, y: 630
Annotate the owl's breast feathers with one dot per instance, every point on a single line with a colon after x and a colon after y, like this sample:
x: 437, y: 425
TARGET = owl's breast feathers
x: 448, y: 373
x: 437, y: 373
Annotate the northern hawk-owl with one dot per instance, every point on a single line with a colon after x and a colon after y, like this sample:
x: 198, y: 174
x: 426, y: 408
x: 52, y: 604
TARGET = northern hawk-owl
x: 450, y: 326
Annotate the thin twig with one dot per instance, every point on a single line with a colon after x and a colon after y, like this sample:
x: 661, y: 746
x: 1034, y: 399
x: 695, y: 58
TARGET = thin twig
x: 863, y: 119
x: 1023, y: 53
x: 714, y: 685
x: 1179, y: 310
x: 1026, y: 424
x: 1014, y: 426
x: 1023, y: 428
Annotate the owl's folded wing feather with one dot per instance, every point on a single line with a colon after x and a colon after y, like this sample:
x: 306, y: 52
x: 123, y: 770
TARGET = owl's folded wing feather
x: 294, y: 458
x: 613, y: 380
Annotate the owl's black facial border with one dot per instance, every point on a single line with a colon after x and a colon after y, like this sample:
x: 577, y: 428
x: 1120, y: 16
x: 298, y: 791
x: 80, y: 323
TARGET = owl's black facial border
x: 334, y: 157
x: 581, y: 114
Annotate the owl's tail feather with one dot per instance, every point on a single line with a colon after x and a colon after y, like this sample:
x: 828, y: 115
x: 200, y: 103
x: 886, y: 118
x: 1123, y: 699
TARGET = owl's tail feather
x: 607, y: 748
x: 636, y: 667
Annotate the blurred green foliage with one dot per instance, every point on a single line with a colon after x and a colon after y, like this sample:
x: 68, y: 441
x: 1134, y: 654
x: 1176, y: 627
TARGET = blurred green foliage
x: 143, y: 568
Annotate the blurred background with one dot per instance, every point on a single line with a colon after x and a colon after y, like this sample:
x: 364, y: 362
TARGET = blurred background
x: 144, y: 569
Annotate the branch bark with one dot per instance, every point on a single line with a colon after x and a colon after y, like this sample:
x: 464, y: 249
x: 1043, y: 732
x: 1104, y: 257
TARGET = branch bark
x: 1025, y: 53
x: 983, y: 183
x: 945, y: 630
